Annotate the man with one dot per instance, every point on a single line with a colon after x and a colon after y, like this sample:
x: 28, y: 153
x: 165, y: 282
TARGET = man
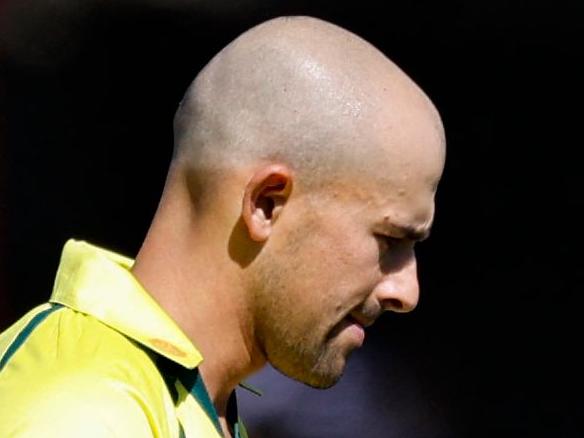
x: 304, y: 171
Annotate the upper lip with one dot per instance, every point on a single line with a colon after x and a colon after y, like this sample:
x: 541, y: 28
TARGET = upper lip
x: 362, y: 319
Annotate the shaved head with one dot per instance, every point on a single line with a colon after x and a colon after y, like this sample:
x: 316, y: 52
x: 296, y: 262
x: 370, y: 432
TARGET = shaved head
x: 296, y: 90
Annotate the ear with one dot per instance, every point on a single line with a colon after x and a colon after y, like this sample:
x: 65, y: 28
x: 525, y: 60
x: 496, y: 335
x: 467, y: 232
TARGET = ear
x: 265, y: 195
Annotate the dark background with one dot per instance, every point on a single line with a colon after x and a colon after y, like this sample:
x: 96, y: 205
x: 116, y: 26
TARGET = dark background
x: 87, y: 94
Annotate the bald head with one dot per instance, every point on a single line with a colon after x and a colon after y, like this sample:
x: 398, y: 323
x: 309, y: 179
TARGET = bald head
x: 299, y: 91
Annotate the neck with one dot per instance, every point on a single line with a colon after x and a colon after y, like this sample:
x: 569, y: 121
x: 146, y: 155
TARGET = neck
x: 193, y: 279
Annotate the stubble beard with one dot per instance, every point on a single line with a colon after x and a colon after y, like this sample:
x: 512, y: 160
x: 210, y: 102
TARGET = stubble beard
x: 306, y: 354
x: 314, y: 365
x: 299, y: 347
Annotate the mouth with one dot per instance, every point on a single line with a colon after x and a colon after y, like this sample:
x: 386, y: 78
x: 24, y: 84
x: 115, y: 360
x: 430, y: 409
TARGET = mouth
x: 360, y: 319
x: 352, y: 326
x: 355, y: 329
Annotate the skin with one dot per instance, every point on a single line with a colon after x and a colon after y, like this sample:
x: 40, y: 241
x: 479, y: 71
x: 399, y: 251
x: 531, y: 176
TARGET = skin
x: 305, y: 169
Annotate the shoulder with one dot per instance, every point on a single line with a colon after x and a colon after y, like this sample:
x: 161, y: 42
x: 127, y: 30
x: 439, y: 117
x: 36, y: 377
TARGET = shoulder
x: 83, y: 409
x: 71, y: 371
x: 57, y: 342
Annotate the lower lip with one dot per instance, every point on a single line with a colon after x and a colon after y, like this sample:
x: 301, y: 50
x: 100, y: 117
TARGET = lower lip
x: 356, y: 331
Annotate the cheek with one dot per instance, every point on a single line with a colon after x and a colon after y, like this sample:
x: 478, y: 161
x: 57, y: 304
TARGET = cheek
x: 346, y: 269
x: 355, y: 253
x: 329, y: 261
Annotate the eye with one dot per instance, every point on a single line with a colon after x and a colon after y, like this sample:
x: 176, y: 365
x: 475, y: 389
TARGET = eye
x: 386, y: 243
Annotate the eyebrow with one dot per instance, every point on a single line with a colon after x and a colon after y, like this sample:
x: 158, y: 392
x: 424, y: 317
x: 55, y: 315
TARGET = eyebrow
x: 411, y: 233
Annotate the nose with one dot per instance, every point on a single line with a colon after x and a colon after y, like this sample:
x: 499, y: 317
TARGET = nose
x: 399, y: 289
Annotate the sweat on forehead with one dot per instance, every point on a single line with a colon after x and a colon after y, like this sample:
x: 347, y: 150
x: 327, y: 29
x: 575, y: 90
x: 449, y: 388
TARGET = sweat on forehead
x: 297, y: 90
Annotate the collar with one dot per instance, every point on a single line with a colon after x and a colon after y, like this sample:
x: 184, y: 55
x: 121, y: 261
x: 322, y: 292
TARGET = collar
x: 99, y: 283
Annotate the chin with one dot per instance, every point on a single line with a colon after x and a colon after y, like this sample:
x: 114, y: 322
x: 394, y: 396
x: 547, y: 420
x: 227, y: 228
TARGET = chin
x: 322, y: 375
x: 323, y: 382
x: 314, y: 380
x: 327, y: 374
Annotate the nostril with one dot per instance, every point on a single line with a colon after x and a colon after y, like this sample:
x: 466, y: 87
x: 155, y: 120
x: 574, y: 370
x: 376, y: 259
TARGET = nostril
x: 399, y: 305
x: 395, y: 305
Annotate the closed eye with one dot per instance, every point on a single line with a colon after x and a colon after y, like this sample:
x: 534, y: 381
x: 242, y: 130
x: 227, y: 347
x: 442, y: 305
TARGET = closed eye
x: 394, y: 252
x: 387, y: 242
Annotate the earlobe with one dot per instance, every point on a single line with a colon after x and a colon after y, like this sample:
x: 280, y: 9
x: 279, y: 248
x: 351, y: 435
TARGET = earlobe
x: 265, y: 195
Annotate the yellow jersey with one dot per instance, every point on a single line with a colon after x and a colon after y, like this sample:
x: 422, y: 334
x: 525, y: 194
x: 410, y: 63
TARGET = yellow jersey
x: 102, y: 359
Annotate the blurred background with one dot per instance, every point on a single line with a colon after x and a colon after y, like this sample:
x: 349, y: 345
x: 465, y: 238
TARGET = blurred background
x: 88, y: 90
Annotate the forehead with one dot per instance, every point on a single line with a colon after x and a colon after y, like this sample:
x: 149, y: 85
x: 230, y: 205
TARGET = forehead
x: 398, y: 185
x: 407, y: 208
x: 410, y: 144
x: 401, y: 204
x: 400, y: 130
x: 394, y: 152
x: 403, y: 189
